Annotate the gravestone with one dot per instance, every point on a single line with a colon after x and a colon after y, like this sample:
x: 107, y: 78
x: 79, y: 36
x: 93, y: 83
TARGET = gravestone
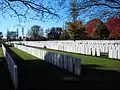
x: 98, y: 51
x: 55, y: 59
x: 89, y: 51
x: 110, y: 53
x: 65, y: 62
x: 43, y: 55
x: 58, y: 62
x: 52, y: 58
x: 93, y: 51
x: 77, y: 66
x: 70, y: 63
x: 62, y: 58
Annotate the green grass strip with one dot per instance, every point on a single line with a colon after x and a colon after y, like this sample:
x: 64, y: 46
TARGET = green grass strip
x: 22, y: 54
x: 104, y: 63
x: 1, y: 53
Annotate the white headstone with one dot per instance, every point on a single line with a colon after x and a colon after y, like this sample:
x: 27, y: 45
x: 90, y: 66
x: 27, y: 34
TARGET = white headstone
x: 58, y: 58
x: 119, y: 52
x: 70, y: 63
x: 93, y: 51
x: 110, y: 53
x: 52, y: 57
x: 61, y: 61
x: 55, y: 59
x: 98, y: 51
x: 65, y: 62
x: 77, y: 66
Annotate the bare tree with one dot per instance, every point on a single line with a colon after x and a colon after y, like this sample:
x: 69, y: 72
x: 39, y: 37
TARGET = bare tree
x: 102, y: 9
x: 25, y: 10
x: 74, y: 12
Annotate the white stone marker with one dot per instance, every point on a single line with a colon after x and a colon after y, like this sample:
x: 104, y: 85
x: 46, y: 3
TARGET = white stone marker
x: 60, y: 61
x: 77, y: 66
x: 41, y: 54
x: 58, y: 58
x: 118, y: 51
x: 115, y: 53
x: 70, y: 63
x: 52, y: 57
x: 48, y: 55
x: 65, y: 62
x: 93, y: 51
x: 62, y: 58
x: 89, y: 51
x: 44, y: 53
x: 35, y: 52
x: 98, y: 51
x: 110, y: 52
x: 55, y: 59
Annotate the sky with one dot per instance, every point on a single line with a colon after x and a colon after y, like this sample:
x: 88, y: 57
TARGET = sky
x: 11, y: 23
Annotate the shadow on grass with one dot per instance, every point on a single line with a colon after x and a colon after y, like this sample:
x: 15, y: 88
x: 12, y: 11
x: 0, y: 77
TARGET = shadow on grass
x: 38, y: 75
x: 5, y: 78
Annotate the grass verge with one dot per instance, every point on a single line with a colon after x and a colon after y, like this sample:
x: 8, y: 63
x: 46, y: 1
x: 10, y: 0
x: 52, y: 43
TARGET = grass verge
x: 5, y: 78
x: 36, y: 74
x: 104, y: 63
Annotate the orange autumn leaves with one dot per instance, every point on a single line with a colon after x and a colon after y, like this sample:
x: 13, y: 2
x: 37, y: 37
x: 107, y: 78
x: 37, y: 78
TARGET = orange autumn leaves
x: 113, y: 26
x: 76, y: 30
x: 95, y: 29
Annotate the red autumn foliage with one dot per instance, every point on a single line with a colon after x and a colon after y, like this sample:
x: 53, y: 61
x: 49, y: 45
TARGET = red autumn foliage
x: 114, y: 35
x: 113, y: 26
x: 90, y: 26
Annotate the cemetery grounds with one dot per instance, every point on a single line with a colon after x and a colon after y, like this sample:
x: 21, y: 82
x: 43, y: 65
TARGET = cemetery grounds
x: 36, y: 74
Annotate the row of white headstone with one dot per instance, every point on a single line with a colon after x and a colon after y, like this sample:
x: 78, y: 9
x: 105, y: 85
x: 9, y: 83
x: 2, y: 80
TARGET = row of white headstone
x: 12, y: 67
x: 69, y: 63
x: 87, y: 47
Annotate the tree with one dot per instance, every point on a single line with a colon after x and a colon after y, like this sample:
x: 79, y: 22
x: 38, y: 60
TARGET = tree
x: 65, y: 35
x: 35, y: 32
x: 102, y: 9
x: 102, y: 30
x: 17, y: 32
x: 54, y: 33
x: 76, y: 30
x: 28, y: 9
x: 11, y: 35
x: 97, y: 29
x: 1, y: 35
x: 20, y: 38
x: 42, y: 9
x: 114, y: 35
x: 74, y: 12
x: 113, y: 26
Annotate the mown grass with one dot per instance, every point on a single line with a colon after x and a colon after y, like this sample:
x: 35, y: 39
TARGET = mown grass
x: 36, y: 74
x: 1, y: 53
x: 5, y: 78
x: 104, y: 63
x: 22, y: 54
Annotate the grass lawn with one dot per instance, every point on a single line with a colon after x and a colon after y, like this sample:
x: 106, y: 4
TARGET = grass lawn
x: 1, y: 53
x: 5, y: 79
x: 103, y: 63
x: 36, y: 74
